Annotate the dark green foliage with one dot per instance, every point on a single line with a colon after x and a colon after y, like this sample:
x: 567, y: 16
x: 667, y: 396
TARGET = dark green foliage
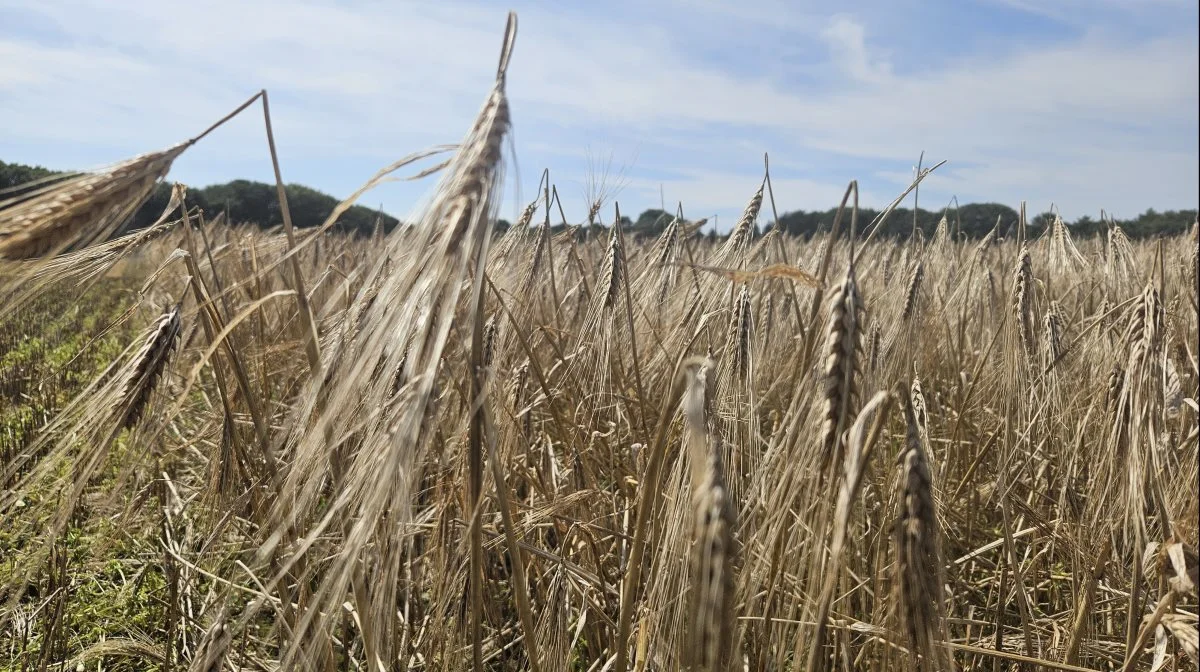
x: 651, y: 223
x: 12, y: 174
x: 246, y: 201
x: 974, y: 220
x: 257, y: 202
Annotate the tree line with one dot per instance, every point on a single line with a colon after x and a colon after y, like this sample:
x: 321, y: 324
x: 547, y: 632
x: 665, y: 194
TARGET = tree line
x: 973, y: 220
x: 257, y: 202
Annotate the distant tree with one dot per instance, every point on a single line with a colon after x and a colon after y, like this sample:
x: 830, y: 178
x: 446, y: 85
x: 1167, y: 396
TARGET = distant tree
x: 12, y: 174
x: 15, y: 174
x: 246, y: 201
x: 1086, y: 226
x: 651, y: 223
x: 977, y: 219
x: 1041, y: 221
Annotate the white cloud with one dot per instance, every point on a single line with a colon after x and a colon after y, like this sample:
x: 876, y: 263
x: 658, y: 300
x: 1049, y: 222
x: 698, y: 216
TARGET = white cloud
x: 1088, y: 122
x: 846, y: 38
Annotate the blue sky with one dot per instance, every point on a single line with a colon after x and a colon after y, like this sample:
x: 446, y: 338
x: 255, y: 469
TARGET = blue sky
x: 1085, y: 104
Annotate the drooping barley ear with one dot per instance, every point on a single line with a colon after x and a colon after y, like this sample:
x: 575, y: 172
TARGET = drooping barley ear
x: 80, y: 210
x: 489, y: 340
x: 540, y: 245
x: 941, y: 234
x: 1119, y: 252
x: 1064, y: 255
x: 913, y: 293
x: 150, y: 361
x: 766, y: 318
x: 987, y: 240
x: 517, y: 387
x: 1112, y: 393
x: 210, y: 652
x: 1144, y: 331
x: 709, y: 641
x: 668, y: 240
x: 1196, y: 264
x: 743, y: 231
x: 1053, y: 323
x: 738, y: 340
x: 1022, y: 302
x: 843, y: 344
x: 527, y: 214
x: 874, y: 348
x: 517, y: 235
x: 918, y: 404
x: 593, y: 210
x: 1183, y: 628
x: 918, y: 563
x: 664, y: 253
x: 608, y: 291
x: 1102, y: 316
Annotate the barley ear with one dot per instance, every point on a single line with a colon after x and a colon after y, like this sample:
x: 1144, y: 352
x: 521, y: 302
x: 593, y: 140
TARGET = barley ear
x: 1022, y: 302
x: 80, y: 210
x: 918, y: 565
x: 150, y: 361
x: 843, y: 337
x: 737, y: 352
x: 913, y: 292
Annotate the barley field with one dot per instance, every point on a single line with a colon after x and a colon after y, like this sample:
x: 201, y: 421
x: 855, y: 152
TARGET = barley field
x: 229, y: 448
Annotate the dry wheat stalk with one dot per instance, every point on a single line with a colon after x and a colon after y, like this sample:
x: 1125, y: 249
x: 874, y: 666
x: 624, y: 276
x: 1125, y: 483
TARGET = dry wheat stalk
x: 709, y: 641
x: 918, y: 554
x: 434, y: 263
x: 862, y: 438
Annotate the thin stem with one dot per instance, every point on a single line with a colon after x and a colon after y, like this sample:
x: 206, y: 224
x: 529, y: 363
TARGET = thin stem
x: 312, y: 347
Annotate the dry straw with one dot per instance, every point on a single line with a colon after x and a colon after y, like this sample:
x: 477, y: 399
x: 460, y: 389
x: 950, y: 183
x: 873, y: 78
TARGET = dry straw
x: 709, y: 641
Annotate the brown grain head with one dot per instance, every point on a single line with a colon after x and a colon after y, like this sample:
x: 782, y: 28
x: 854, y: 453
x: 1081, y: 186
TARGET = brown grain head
x: 80, y: 210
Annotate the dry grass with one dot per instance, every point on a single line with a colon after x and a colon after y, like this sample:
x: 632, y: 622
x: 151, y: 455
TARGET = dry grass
x: 554, y: 450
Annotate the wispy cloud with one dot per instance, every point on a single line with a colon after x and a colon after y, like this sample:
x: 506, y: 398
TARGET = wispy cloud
x: 1100, y: 112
